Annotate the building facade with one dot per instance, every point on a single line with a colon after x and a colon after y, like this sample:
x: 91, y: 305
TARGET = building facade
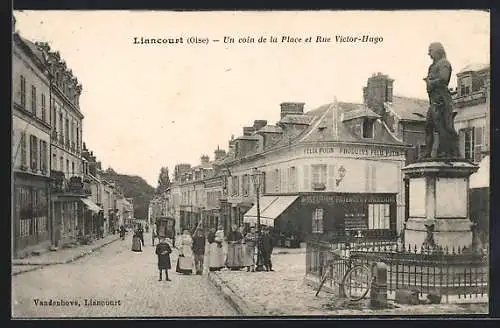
x: 330, y: 169
x: 195, y: 194
x: 65, y: 147
x: 473, y: 110
x: 31, y: 228
x: 472, y: 122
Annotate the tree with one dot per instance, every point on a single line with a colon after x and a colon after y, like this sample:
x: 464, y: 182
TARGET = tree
x: 163, y: 180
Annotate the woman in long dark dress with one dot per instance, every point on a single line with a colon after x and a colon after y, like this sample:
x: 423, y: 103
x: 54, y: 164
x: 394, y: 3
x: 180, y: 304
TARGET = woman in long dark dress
x: 235, y: 258
x: 136, y: 242
x: 163, y: 251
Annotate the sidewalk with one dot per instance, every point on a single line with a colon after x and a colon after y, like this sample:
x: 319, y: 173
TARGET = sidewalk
x: 284, y: 292
x: 61, y: 256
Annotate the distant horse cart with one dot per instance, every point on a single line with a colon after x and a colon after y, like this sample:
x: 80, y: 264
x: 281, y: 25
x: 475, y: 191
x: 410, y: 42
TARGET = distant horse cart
x: 165, y: 228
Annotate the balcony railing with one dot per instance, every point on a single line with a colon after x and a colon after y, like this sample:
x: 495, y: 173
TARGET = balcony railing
x: 73, y: 185
x: 61, y: 140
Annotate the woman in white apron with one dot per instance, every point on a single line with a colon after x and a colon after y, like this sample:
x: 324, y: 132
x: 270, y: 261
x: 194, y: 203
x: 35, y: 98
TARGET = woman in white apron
x: 186, y: 258
x: 215, y: 250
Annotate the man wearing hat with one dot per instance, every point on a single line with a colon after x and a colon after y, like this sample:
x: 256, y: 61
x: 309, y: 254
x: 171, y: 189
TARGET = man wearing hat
x: 163, y: 251
x: 267, y: 245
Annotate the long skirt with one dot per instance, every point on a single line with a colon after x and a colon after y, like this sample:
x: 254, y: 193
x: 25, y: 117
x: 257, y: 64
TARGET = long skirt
x: 136, y: 244
x: 215, y: 257
x: 185, y: 264
x: 249, y: 255
x: 235, y: 256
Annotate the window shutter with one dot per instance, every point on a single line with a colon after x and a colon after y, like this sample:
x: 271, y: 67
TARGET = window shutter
x: 477, y: 153
x: 373, y: 185
x: 461, y: 142
x: 284, y: 180
x: 307, y: 185
x: 331, y: 177
x: 367, y: 177
x: 41, y: 155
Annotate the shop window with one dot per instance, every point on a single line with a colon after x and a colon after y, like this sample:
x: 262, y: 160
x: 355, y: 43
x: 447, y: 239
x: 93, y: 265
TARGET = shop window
x: 368, y: 128
x: 317, y: 221
x: 379, y: 216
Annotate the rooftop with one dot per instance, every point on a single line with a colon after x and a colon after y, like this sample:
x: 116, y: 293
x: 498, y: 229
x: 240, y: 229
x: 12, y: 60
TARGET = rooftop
x: 297, y: 119
x: 475, y: 67
x: 359, y: 113
x: 271, y: 129
x: 409, y: 109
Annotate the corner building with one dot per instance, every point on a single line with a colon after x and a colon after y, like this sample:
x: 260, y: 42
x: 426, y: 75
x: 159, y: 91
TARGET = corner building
x: 327, y: 171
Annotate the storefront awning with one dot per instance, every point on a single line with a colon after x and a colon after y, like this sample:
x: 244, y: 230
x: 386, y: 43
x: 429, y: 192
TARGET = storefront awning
x: 271, y: 208
x: 481, y: 179
x: 91, y: 205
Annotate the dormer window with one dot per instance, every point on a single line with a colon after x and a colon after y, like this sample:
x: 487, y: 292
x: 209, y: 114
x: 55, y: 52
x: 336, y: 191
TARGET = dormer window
x: 368, y: 128
x: 465, y: 84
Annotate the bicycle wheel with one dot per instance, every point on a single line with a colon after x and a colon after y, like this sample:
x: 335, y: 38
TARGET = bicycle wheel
x: 322, y: 282
x: 356, y: 282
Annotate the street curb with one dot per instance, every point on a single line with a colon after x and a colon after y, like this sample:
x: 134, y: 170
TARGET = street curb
x: 72, y: 259
x: 231, y: 297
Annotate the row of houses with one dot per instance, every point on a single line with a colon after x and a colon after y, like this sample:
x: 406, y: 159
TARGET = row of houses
x: 58, y: 197
x: 330, y: 169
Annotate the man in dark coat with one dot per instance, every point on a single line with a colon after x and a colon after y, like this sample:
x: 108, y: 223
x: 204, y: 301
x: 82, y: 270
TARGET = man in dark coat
x: 198, y: 250
x: 267, y: 245
x: 163, y: 251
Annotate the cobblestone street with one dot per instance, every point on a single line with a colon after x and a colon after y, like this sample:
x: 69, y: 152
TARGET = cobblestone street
x: 284, y: 292
x: 117, y: 274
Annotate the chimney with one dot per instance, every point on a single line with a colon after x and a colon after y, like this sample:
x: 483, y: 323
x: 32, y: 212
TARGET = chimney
x: 259, y: 124
x: 378, y: 90
x: 248, y: 130
x: 205, y: 159
x: 291, y: 108
x: 219, y: 153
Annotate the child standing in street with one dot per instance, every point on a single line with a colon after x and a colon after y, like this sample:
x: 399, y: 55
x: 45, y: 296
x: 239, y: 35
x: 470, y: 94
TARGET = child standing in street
x: 163, y: 251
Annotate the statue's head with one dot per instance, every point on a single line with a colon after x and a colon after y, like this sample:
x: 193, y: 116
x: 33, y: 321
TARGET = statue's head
x: 436, y: 51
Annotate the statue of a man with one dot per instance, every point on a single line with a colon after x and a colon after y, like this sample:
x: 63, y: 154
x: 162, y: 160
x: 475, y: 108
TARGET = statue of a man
x: 440, y: 113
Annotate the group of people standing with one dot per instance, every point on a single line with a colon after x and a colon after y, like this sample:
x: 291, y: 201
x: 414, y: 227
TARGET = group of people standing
x: 241, y: 250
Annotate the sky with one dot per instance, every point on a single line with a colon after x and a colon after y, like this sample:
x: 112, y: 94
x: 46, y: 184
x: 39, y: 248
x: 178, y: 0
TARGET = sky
x: 148, y: 106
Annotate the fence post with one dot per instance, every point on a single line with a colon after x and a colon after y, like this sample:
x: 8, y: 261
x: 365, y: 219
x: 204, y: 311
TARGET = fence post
x: 378, y: 291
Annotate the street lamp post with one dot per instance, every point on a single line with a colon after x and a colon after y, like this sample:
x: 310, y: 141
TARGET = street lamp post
x: 256, y: 179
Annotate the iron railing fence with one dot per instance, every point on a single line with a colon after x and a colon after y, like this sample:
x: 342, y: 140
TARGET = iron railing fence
x: 450, y: 273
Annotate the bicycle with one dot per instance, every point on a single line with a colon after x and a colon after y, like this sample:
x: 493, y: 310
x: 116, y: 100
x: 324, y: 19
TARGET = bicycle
x: 356, y: 282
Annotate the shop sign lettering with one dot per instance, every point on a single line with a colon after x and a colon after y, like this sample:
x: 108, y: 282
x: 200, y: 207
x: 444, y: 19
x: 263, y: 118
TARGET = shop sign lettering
x: 357, y: 151
x: 330, y: 199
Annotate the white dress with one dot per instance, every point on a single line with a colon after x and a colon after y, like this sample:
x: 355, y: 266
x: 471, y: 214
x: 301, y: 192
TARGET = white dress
x: 186, y: 261
x: 216, y: 253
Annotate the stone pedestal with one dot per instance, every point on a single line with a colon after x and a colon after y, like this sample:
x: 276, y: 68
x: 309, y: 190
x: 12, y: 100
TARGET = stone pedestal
x: 439, y: 204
